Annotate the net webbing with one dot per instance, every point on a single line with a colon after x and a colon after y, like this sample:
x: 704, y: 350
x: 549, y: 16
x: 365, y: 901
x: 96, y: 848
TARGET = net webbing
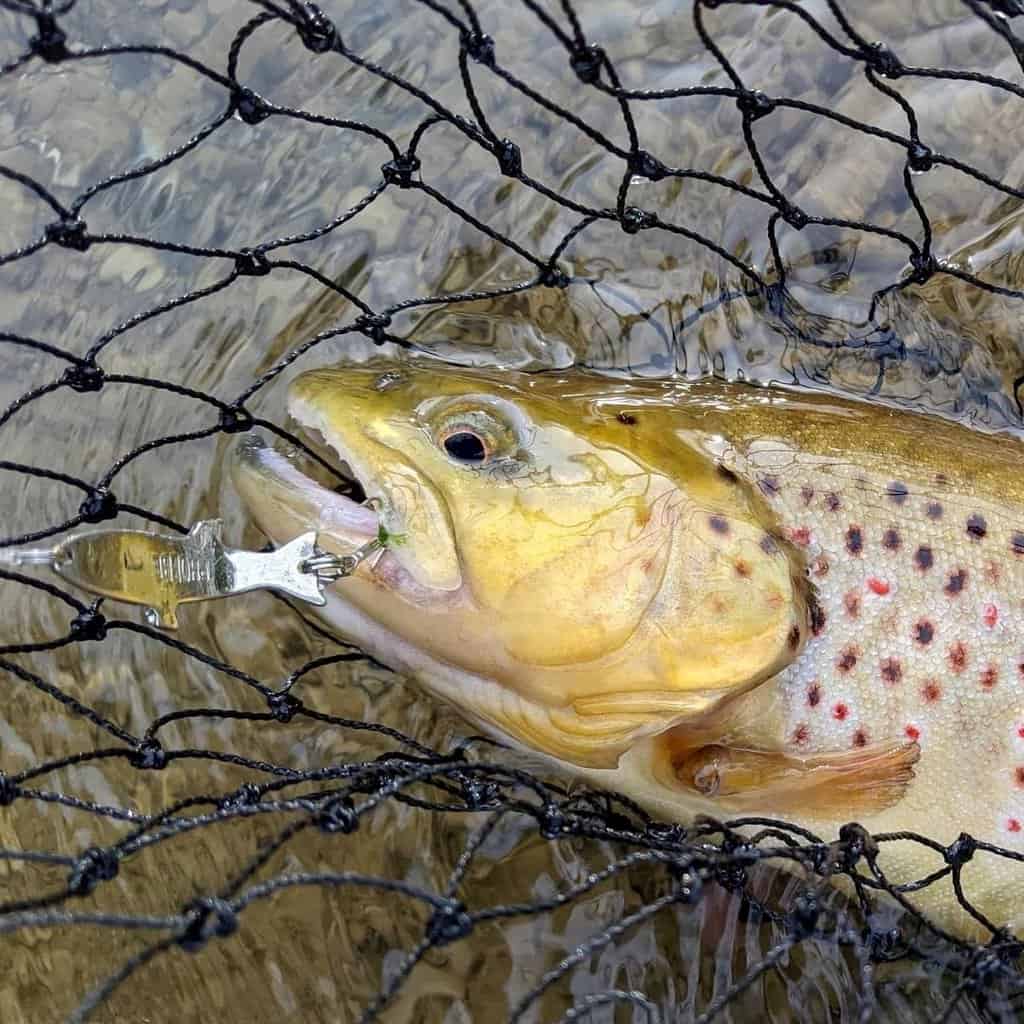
x: 113, y: 885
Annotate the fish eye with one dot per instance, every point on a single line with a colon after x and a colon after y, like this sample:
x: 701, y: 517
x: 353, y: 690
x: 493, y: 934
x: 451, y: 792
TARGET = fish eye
x: 465, y: 445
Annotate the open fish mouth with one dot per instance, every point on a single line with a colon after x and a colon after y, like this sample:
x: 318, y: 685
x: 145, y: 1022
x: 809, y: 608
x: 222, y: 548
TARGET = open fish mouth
x: 288, y: 491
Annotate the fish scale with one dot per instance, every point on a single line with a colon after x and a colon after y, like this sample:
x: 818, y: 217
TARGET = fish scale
x: 923, y: 648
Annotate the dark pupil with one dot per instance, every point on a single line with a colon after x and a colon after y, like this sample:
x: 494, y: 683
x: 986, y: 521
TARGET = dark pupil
x: 465, y: 447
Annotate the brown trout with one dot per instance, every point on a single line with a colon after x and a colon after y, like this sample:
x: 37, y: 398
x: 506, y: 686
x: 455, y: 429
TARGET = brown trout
x: 711, y: 597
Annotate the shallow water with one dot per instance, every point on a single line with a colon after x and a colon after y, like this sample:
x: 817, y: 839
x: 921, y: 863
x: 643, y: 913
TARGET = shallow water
x: 649, y: 303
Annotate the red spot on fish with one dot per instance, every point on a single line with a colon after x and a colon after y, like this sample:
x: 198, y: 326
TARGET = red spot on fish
x: 800, y: 535
x: 989, y: 677
x: 993, y: 572
x: 801, y: 734
x: 891, y: 670
x: 877, y: 586
x: 991, y: 615
x: 814, y: 696
x: 1012, y: 825
x: 1018, y: 776
x: 1020, y: 731
x: 820, y: 566
x: 851, y: 602
x: 860, y: 738
x: 847, y: 658
x: 930, y: 691
x: 957, y: 657
x: 840, y: 711
x: 742, y: 568
x: 912, y: 733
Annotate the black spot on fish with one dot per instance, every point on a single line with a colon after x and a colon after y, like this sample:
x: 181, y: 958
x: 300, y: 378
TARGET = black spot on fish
x: 724, y: 472
x: 891, y: 539
x: 718, y: 524
x: 934, y: 510
x: 897, y: 492
x: 817, y: 618
x: 807, y: 494
x: 769, y: 545
x: 769, y: 486
x: 854, y: 540
x: 814, y: 695
x: 923, y: 558
x: 832, y: 502
x: 976, y: 526
x: 891, y: 670
x: 847, y: 659
x: 1017, y: 543
x: 956, y: 582
x: 793, y: 639
x: 924, y: 632
x: 626, y: 417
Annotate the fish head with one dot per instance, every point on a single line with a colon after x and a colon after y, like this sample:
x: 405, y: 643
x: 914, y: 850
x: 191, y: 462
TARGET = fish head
x: 563, y: 562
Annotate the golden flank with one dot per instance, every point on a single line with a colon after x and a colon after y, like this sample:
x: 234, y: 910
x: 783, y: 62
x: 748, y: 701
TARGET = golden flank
x: 709, y: 597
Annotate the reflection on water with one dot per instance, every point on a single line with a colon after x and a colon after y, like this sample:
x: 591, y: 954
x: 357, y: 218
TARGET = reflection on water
x: 649, y: 303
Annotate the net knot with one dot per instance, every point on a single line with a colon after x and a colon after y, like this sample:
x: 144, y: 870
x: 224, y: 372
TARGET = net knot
x: 961, y: 850
x: 248, y: 794
x: 89, y: 624
x: 249, y: 107
x: 510, y: 159
x: 68, y: 232
x: 882, y: 60
x: 94, y: 866
x: 642, y: 164
x: 8, y: 790
x: 553, y: 822
x: 480, y: 47
x: 374, y: 326
x: 586, y: 61
x: 338, y: 815
x: 250, y: 263
x: 793, y: 216
x: 317, y: 32
x: 235, y: 419
x: 634, y: 219
x: 480, y: 794
x: 283, y: 706
x: 400, y: 170
x: 855, y: 842
x: 448, y: 923
x: 886, y: 944
x: 924, y: 266
x: 50, y: 41
x: 99, y: 505
x: 755, y: 104
x: 803, y: 918
x: 149, y: 755
x: 208, y: 917
x: 83, y: 377
x: 920, y: 157
x: 554, y: 277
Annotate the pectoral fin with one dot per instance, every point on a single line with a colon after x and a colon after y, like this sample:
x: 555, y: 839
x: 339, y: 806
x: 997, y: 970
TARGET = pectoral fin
x: 857, y: 782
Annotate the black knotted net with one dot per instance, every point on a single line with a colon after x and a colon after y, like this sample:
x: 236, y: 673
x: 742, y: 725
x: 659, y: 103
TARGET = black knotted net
x: 250, y: 818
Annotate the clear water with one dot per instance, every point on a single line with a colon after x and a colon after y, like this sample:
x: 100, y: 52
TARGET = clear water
x: 317, y: 955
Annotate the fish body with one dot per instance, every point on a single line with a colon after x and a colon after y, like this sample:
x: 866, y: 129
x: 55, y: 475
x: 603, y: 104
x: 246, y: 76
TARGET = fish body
x: 710, y: 597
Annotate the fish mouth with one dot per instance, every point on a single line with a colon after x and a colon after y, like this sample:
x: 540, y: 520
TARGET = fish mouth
x: 290, y: 490
x: 333, y: 490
